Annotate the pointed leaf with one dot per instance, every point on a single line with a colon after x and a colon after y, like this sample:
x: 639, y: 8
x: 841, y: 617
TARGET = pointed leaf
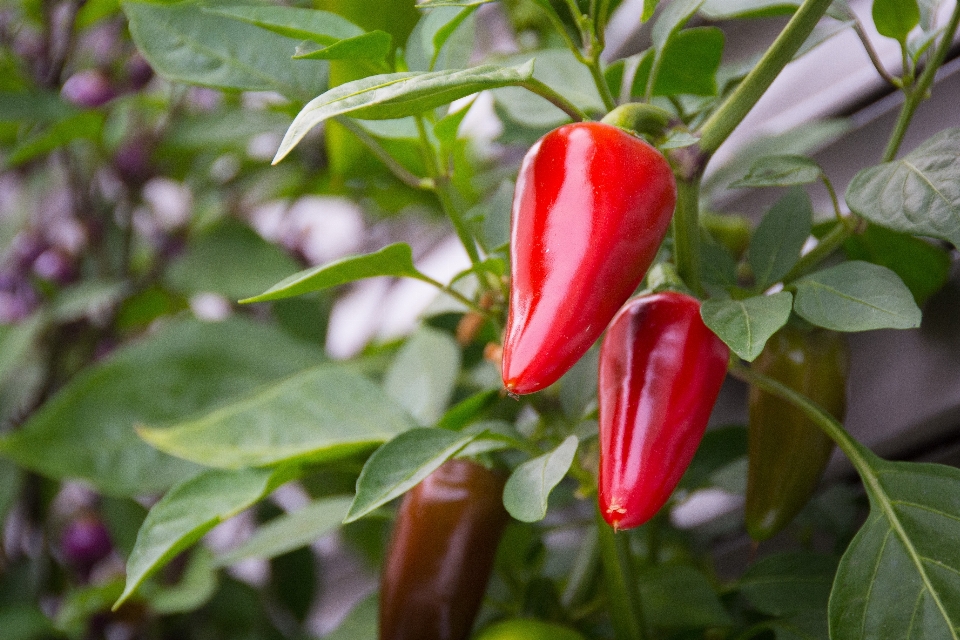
x: 395, y: 95
x: 780, y: 171
x: 918, y: 194
x: 856, y: 296
x: 401, y: 464
x: 189, y: 510
x: 320, y: 414
x: 746, y: 325
x: 528, y: 489
x: 672, y: 19
x: 789, y: 583
x: 689, y: 63
x: 87, y: 430
x: 900, y: 576
x: 393, y: 260
x: 374, y: 45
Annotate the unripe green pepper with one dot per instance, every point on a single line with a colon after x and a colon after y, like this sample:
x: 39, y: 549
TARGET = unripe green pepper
x: 788, y: 452
x: 527, y: 629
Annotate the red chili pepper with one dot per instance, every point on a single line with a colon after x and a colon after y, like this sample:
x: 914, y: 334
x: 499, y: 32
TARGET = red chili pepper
x: 661, y: 370
x: 591, y: 208
x: 441, y: 553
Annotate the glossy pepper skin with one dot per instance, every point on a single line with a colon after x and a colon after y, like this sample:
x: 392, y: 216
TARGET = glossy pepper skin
x: 788, y: 452
x: 441, y: 553
x: 591, y: 207
x: 661, y: 370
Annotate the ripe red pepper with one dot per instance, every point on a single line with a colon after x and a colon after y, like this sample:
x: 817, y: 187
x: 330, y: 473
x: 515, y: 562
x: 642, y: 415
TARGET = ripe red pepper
x: 441, y: 553
x: 591, y: 208
x: 661, y: 370
x: 788, y: 452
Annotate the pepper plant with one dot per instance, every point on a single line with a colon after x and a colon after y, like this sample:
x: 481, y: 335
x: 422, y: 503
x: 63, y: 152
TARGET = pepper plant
x: 134, y: 185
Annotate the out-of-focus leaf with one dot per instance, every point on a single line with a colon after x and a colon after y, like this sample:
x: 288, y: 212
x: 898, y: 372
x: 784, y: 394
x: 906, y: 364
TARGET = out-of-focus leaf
x: 789, y: 583
x: 184, y: 368
x: 87, y: 125
x: 189, y: 510
x: 290, y: 531
x: 229, y: 258
x: 680, y: 597
x: 185, y: 43
x: 325, y: 413
x: 780, y: 171
x: 423, y: 375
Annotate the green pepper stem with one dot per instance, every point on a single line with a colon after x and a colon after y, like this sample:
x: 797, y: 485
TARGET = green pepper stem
x: 722, y: 123
x: 442, y: 191
x: 686, y: 232
x: 626, y: 612
x: 827, y: 245
x: 917, y: 93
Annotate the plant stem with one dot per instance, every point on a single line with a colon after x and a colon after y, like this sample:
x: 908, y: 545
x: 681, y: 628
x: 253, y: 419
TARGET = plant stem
x: 453, y: 293
x: 722, y: 123
x: 872, y: 53
x: 398, y: 170
x: 443, y: 192
x: 555, y: 98
x: 626, y: 612
x: 686, y: 232
x: 918, y: 92
x: 827, y: 245
x: 608, y: 100
x: 856, y: 452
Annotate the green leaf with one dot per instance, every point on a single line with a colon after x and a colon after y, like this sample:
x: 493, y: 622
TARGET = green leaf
x: 426, y: 44
x: 290, y: 531
x: 395, y: 95
x: 22, y: 106
x: 918, y: 194
x: 322, y: 27
x: 85, y: 125
x: 465, y: 411
x: 17, y: 342
x: 194, y: 589
x: 780, y: 171
x: 896, y: 18
x: 900, y: 576
x: 739, y: 9
x: 182, y: 369
x: 228, y: 258
x: 433, y: 4
x: 25, y: 622
x: 492, y: 218
x: 689, y: 63
x: 806, y: 625
x: 922, y: 266
x: 746, y: 325
x: 361, y: 623
x: 527, y: 491
x: 393, y: 260
x: 189, y: 510
x: 423, y: 375
x: 677, y: 596
x: 317, y: 415
x: 401, y: 464
x: 649, y: 6
x: 184, y: 43
x: 671, y: 19
x: 788, y: 583
x: 856, y: 296
x: 374, y: 45
x: 776, y: 244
